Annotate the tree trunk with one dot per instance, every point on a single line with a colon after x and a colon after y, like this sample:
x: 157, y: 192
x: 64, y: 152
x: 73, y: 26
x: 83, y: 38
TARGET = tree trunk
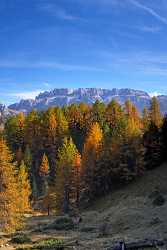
x: 66, y: 200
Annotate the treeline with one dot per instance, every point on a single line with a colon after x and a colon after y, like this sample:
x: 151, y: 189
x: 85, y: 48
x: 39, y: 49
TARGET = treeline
x: 75, y: 154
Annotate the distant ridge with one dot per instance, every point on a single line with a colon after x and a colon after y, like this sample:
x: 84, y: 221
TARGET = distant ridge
x: 67, y: 96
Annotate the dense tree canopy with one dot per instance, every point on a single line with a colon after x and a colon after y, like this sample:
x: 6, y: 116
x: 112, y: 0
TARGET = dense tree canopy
x: 74, y: 154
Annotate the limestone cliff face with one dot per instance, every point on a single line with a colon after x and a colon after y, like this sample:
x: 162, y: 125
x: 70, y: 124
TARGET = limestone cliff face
x: 66, y: 96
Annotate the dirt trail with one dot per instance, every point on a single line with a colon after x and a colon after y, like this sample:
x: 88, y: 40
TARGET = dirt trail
x: 7, y: 248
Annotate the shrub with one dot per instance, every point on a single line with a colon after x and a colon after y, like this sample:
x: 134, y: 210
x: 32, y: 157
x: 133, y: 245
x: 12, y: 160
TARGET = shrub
x: 88, y: 229
x: 55, y: 244
x: 21, y: 239
x: 24, y: 248
x: 155, y: 221
x: 159, y: 200
x: 103, y: 230
x: 62, y: 223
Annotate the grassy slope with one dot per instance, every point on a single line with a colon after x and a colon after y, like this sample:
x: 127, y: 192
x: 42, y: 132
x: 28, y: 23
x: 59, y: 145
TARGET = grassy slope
x: 130, y: 213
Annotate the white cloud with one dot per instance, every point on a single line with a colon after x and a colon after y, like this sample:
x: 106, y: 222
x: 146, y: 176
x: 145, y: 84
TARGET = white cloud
x: 148, y: 10
x: 47, y: 85
x: 150, y: 29
x: 142, y: 62
x: 155, y: 94
x: 57, y: 11
x: 26, y: 94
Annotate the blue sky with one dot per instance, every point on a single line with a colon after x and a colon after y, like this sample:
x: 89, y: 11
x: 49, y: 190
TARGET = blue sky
x: 47, y: 44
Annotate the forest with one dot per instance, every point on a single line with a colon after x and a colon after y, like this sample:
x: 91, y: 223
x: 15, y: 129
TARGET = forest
x: 68, y: 157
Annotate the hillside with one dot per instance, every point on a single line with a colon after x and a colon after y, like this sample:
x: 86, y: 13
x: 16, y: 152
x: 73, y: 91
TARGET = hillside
x: 130, y: 211
x: 61, y: 97
x: 127, y: 214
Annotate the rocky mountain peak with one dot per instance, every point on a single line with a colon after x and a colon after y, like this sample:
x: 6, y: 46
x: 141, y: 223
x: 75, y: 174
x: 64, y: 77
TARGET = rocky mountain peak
x: 67, y: 96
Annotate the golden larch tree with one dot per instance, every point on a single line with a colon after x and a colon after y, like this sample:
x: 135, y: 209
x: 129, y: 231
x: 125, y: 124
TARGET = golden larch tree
x: 10, y: 215
x: 24, y: 188
x: 44, y: 167
x: 44, y: 172
x: 156, y: 116
x: 91, y: 153
x: 75, y: 180
x: 146, y: 119
x: 134, y: 122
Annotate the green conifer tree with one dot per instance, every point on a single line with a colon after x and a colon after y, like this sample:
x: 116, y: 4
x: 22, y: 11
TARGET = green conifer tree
x: 65, y: 172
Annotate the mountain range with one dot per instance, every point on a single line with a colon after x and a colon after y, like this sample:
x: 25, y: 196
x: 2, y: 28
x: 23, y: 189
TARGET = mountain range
x: 66, y: 96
